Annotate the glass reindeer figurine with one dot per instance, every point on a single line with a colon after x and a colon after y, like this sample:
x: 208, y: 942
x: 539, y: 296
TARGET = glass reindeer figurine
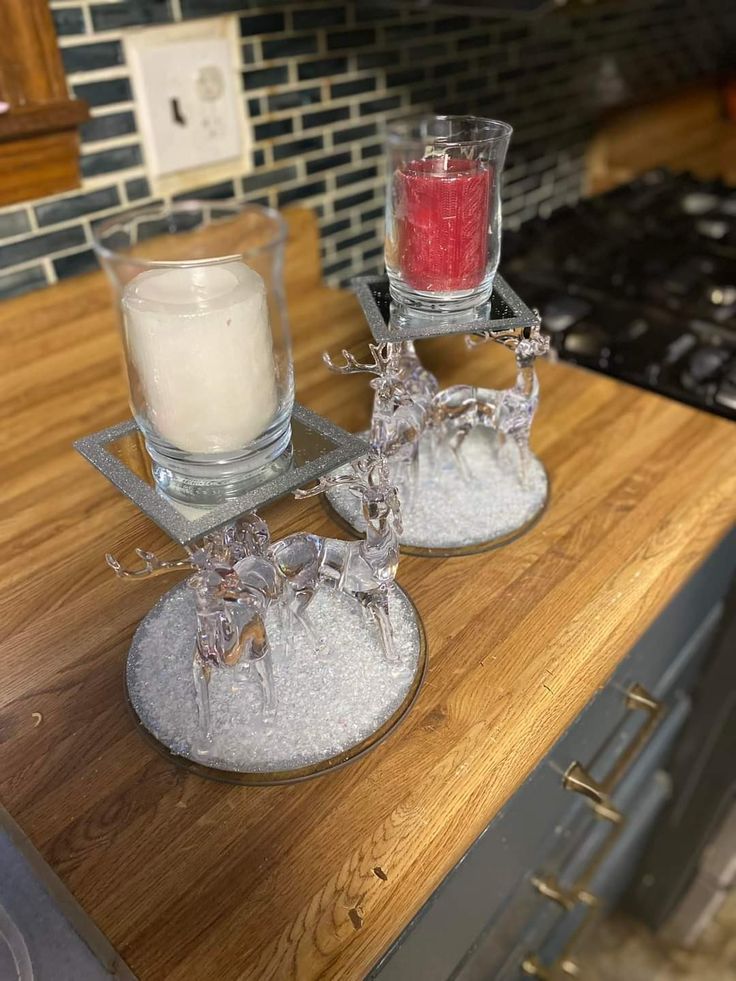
x: 240, y: 576
x: 409, y: 406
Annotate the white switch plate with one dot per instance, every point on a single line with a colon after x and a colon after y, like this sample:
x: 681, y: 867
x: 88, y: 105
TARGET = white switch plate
x: 188, y: 94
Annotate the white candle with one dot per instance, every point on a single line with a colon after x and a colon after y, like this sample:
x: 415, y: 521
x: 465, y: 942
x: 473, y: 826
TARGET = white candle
x: 199, y: 344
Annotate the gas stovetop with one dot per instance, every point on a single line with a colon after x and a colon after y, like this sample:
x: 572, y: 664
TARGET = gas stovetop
x: 640, y: 283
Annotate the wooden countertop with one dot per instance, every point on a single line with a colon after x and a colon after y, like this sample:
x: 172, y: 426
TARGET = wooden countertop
x: 192, y: 879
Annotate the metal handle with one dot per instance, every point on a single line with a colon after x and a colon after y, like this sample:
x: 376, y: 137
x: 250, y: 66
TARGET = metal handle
x: 550, y: 888
x: 558, y: 972
x: 577, y: 779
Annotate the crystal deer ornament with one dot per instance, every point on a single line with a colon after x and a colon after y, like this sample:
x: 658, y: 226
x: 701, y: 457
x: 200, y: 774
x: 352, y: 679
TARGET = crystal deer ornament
x: 366, y: 569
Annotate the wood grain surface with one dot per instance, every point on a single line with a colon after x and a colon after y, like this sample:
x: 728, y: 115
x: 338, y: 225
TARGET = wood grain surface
x: 198, y: 880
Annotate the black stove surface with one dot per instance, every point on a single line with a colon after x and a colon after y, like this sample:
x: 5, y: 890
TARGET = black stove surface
x: 640, y: 283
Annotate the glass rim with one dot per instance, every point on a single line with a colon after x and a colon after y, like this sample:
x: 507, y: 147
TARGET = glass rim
x: 184, y: 205
x: 406, y: 130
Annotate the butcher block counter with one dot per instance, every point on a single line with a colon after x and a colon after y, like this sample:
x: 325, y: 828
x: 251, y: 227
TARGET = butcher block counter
x: 192, y: 879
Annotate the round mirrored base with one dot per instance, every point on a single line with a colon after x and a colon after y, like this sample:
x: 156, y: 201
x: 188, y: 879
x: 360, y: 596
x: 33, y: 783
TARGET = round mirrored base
x: 458, y: 508
x: 332, y: 708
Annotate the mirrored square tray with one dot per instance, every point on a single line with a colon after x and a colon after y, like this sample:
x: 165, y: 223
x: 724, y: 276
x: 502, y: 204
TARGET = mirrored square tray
x: 318, y: 446
x: 389, y: 321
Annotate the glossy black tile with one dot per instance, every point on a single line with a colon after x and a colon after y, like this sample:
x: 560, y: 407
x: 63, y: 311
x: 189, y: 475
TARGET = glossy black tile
x: 293, y: 99
x: 105, y: 92
x: 64, y: 209
x: 68, y: 20
x: 89, y: 57
x: 297, y: 147
x: 342, y: 204
x: 262, y: 23
x: 137, y: 188
x: 14, y: 223
x: 77, y: 262
x: 334, y: 227
x: 259, y: 78
x: 40, y: 245
x: 321, y: 67
x: 269, y: 178
x: 380, y: 105
x: 354, y: 133
x: 289, y: 47
x: 318, y: 16
x: 22, y: 281
x: 108, y: 126
x: 276, y: 127
x: 355, y: 176
x: 106, y: 161
x: 208, y: 8
x: 129, y: 13
x: 299, y: 193
x: 339, y: 90
x: 359, y: 38
x: 329, y: 162
x: 325, y: 116
x: 221, y: 191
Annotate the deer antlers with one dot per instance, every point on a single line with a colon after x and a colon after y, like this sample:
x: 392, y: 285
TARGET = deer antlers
x: 382, y: 358
x: 152, y: 565
x: 368, y: 471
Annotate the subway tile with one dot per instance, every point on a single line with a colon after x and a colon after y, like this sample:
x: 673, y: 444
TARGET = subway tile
x: 342, y: 204
x: 336, y: 267
x: 260, y: 78
x: 137, y: 188
x: 350, y: 243
x: 335, y: 227
x: 308, y: 70
x: 250, y: 53
x: 405, y: 76
x: 107, y: 127
x: 375, y: 253
x: 356, y: 86
x: 209, y: 8
x: 276, y: 127
x: 329, y: 162
x: 380, y: 105
x: 318, y: 16
x: 106, y: 161
x: 446, y: 24
x: 325, y: 116
x: 360, y: 38
x: 269, y: 23
x: 89, y: 57
x: 105, y: 92
x: 372, y: 214
x: 39, y: 246
x: 22, y: 281
x: 129, y: 13
x: 372, y: 150
x: 288, y: 47
x: 212, y: 192
x: 68, y: 20
x: 259, y: 158
x: 268, y: 178
x: 354, y: 133
x: 76, y: 263
x: 254, y: 107
x: 14, y: 223
x: 293, y: 99
x: 354, y: 176
x: 299, y: 193
x: 376, y: 59
x: 64, y: 209
x: 297, y: 147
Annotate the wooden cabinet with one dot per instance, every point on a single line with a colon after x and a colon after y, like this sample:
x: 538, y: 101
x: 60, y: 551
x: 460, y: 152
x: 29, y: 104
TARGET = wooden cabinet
x: 39, y: 140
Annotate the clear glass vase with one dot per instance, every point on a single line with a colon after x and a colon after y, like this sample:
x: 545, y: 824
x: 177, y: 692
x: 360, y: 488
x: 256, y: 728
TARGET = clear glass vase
x: 443, y: 211
x: 206, y: 342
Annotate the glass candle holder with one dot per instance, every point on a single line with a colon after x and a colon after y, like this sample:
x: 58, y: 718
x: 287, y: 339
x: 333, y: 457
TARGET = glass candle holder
x: 206, y: 342
x: 443, y: 211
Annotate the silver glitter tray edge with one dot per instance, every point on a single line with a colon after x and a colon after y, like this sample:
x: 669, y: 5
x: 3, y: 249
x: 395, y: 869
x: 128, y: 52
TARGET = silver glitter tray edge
x: 505, y: 311
x: 174, y: 521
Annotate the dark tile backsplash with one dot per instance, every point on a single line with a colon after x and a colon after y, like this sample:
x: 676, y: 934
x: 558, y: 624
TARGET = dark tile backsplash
x: 320, y: 81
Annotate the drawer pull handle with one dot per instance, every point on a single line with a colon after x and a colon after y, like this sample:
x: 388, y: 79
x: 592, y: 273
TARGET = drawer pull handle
x: 637, y: 697
x: 535, y: 969
x: 566, y: 898
x: 579, y: 781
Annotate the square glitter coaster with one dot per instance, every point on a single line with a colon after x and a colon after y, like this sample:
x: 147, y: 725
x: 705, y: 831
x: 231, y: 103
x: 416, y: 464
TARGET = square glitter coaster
x: 389, y: 321
x: 318, y: 446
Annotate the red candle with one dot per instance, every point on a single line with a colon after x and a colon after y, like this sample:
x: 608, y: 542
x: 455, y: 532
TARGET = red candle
x: 442, y: 223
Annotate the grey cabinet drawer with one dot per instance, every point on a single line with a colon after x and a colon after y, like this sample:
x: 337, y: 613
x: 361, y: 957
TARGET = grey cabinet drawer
x: 541, y: 821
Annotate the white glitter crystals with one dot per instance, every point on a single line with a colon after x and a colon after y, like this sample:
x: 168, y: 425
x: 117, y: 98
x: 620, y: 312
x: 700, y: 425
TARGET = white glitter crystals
x: 457, y: 507
x: 326, y: 706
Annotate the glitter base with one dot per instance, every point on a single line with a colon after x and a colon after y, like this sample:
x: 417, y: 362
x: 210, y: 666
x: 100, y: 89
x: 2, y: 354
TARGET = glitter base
x: 451, y: 513
x: 330, y: 709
